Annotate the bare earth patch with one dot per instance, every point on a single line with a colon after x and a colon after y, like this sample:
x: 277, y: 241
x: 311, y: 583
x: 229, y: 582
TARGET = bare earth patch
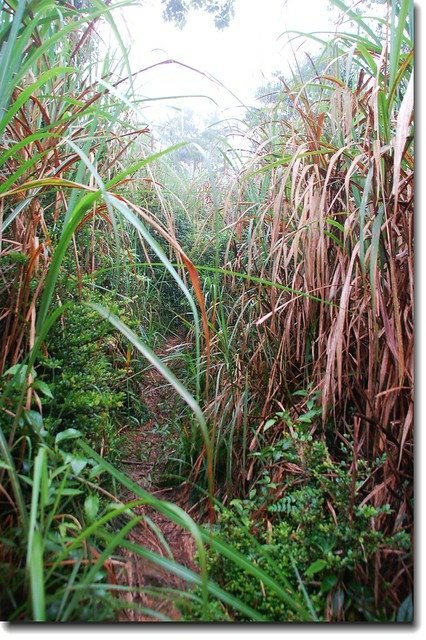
x: 144, y: 461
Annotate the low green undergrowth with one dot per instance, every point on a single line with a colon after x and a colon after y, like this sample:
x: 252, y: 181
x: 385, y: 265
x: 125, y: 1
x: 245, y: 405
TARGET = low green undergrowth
x: 85, y: 380
x: 88, y: 386
x: 317, y: 535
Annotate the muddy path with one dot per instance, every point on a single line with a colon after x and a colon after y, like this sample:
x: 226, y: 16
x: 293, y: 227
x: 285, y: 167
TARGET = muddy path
x: 145, y: 460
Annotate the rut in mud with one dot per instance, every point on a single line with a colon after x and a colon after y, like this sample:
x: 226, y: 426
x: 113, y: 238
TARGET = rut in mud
x: 145, y: 462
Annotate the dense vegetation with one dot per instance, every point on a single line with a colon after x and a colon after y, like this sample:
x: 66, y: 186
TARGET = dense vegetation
x: 285, y: 262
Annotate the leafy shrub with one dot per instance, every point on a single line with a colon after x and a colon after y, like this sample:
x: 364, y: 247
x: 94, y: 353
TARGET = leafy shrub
x: 86, y: 373
x: 315, y: 535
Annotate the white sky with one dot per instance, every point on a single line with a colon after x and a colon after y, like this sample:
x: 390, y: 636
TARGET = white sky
x: 242, y: 56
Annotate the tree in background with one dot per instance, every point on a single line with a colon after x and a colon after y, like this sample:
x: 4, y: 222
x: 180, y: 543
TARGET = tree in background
x: 201, y: 134
x: 177, y: 11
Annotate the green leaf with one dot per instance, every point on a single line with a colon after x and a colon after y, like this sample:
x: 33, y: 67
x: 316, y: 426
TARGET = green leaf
x: 77, y: 462
x: 91, y: 507
x: 177, y: 515
x: 15, y: 369
x: 43, y: 388
x: 307, y: 417
x: 269, y: 423
x: 399, y: 23
x: 21, y: 371
x: 95, y: 471
x: 35, y: 421
x: 68, y: 434
x: 328, y: 583
x: 338, y: 225
x: 406, y: 610
x: 315, y: 567
x: 71, y: 492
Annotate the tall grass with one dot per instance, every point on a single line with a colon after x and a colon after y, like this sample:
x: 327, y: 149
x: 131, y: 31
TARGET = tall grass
x: 63, y: 136
x: 306, y: 296
x: 315, y: 299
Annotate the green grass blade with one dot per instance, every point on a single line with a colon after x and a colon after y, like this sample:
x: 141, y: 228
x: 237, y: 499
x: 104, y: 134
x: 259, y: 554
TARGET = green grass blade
x: 36, y: 571
x: 175, y: 513
x: 358, y: 20
x: 283, y: 591
x: 374, y: 251
x: 9, y: 56
x: 128, y: 215
x: 178, y: 515
x: 161, y: 368
x: 39, y: 463
x: 28, y: 91
x: 400, y: 11
x: 35, y: 538
x: 190, y: 577
x: 114, y: 542
x: 14, y: 479
x: 361, y: 214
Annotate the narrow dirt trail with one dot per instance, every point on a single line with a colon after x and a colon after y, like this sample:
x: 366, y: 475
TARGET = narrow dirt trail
x: 145, y: 459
